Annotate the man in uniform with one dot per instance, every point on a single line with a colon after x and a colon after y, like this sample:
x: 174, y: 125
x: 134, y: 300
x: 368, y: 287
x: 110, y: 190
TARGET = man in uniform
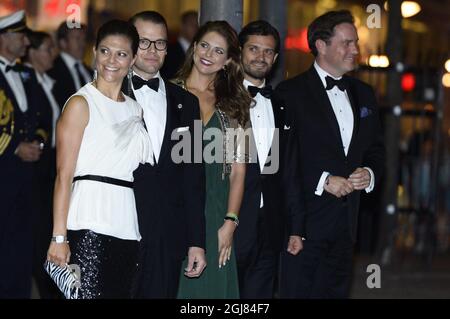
x: 21, y: 143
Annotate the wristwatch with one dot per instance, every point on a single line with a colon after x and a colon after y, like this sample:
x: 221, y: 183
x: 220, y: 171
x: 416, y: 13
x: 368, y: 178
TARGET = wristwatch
x: 59, y: 239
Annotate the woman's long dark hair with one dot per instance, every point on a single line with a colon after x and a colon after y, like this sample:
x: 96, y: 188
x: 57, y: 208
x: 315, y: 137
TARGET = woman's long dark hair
x: 231, y: 95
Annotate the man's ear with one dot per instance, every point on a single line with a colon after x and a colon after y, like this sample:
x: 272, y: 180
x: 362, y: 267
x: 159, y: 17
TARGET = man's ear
x: 133, y: 61
x: 62, y: 44
x: 31, y: 53
x: 320, y: 46
x: 275, y: 58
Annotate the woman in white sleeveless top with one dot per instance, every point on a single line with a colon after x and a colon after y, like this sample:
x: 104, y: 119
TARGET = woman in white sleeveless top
x: 101, y: 139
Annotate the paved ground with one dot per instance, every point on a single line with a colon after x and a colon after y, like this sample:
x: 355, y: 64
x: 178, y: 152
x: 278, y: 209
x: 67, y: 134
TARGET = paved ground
x: 409, y: 278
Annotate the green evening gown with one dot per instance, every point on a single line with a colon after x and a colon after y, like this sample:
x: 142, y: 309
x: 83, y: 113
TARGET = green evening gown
x: 214, y: 282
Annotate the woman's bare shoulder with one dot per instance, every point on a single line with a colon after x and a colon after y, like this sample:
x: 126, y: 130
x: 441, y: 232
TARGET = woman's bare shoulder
x: 76, y: 108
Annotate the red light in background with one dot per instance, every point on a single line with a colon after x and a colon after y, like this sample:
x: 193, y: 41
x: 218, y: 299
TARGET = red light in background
x: 298, y: 41
x: 51, y: 7
x: 10, y: 6
x: 57, y: 7
x: 408, y: 82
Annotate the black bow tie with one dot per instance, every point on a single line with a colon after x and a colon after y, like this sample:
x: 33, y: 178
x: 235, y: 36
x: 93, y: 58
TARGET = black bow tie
x: 264, y: 91
x: 15, y: 67
x: 341, y: 84
x: 139, y: 82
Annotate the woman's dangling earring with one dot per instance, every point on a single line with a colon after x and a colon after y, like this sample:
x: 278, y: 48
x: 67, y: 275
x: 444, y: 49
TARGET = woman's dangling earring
x: 95, y: 75
x: 129, y: 78
x: 130, y: 74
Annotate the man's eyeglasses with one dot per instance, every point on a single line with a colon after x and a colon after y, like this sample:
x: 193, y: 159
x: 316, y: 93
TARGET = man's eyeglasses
x: 145, y: 44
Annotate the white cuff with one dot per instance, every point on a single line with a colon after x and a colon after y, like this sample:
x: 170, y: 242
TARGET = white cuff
x: 319, y: 188
x: 372, y: 180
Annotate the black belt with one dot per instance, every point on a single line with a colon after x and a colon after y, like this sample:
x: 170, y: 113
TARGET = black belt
x: 104, y: 179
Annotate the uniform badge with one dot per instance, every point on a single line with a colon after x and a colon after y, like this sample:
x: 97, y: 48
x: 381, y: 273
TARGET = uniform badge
x: 6, y: 121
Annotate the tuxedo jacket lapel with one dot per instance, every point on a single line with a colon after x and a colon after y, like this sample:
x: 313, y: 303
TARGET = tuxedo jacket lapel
x: 279, y: 116
x: 278, y: 113
x: 127, y: 89
x: 356, y: 113
x: 323, y: 102
x: 166, y: 143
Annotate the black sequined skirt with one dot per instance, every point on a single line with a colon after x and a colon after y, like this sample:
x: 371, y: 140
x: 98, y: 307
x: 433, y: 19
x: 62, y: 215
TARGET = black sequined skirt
x: 108, y: 264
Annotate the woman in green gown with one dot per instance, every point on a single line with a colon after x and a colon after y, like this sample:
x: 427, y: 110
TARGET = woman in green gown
x: 212, y: 71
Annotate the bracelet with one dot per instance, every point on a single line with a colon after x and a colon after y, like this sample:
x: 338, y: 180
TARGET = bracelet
x: 231, y: 214
x: 235, y: 220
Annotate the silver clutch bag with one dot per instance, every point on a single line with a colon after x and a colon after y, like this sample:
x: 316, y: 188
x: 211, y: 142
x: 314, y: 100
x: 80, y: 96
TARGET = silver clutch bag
x: 68, y: 278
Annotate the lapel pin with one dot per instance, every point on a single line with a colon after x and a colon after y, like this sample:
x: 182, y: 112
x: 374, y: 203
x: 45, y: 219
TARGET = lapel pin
x: 281, y: 107
x: 180, y: 106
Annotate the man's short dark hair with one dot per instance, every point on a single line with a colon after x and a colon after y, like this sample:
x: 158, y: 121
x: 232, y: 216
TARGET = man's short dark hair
x: 259, y: 27
x: 187, y: 15
x: 322, y: 28
x: 36, y: 39
x: 149, y: 16
x: 63, y: 30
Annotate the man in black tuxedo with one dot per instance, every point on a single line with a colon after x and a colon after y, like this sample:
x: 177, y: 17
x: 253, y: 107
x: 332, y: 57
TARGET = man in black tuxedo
x: 40, y: 57
x: 170, y: 196
x: 336, y: 123
x: 269, y: 179
x: 176, y: 51
x: 69, y: 71
x: 21, y: 140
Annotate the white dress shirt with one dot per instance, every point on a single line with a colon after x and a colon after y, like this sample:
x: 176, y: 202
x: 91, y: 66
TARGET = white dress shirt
x: 344, y: 115
x: 16, y: 84
x: 47, y: 85
x: 154, y: 105
x: 184, y: 43
x: 263, y: 126
x: 70, y: 61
